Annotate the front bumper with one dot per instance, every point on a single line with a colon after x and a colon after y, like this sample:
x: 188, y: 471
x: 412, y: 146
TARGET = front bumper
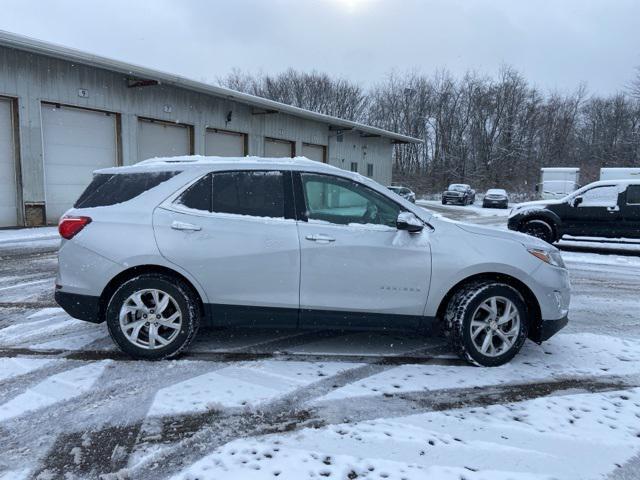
x: 82, y: 307
x: 456, y: 199
x: 548, y: 328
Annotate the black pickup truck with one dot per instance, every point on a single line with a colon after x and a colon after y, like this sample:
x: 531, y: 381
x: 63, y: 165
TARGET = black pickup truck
x: 608, y: 209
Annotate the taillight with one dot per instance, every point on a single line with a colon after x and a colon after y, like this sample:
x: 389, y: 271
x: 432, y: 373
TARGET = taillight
x: 69, y: 227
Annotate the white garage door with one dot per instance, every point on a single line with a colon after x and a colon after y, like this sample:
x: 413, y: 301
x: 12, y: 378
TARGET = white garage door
x: 314, y: 152
x: 160, y: 139
x: 8, y: 203
x: 278, y: 148
x: 76, y: 142
x: 221, y: 143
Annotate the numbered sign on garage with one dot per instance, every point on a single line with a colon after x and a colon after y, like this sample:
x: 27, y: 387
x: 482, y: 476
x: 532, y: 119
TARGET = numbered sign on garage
x: 76, y: 142
x: 222, y: 143
x: 8, y: 194
x: 162, y: 139
x: 278, y: 148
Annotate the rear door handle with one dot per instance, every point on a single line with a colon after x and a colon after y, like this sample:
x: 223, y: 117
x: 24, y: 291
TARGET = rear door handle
x: 321, y: 238
x: 190, y: 227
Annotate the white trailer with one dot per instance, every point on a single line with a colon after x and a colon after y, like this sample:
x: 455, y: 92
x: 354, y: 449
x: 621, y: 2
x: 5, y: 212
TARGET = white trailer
x: 620, y: 173
x: 558, y: 182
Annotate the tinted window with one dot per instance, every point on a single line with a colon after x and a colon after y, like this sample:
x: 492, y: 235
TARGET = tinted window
x: 110, y: 189
x: 633, y: 194
x: 198, y: 195
x: 342, y: 201
x: 259, y: 194
x: 605, y: 196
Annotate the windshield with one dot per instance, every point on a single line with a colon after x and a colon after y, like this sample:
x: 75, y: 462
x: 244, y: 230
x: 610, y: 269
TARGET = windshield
x: 496, y: 191
x: 456, y: 187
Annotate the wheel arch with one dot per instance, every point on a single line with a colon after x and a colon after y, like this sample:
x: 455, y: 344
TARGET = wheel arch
x: 533, y: 306
x: 134, y: 271
x: 554, y: 221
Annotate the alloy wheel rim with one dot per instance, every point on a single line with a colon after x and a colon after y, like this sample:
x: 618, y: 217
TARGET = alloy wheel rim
x: 495, y: 326
x: 150, y: 319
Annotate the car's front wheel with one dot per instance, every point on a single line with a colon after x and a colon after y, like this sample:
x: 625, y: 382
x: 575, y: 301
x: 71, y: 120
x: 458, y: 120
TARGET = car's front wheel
x: 487, y: 323
x: 153, y: 316
x: 540, y: 229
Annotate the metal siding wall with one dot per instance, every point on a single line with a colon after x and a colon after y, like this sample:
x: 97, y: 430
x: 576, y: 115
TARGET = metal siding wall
x: 34, y: 78
x: 352, y: 149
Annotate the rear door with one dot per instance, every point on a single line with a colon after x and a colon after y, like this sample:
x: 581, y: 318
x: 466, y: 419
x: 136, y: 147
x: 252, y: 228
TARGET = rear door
x: 234, y: 232
x: 356, y: 266
x: 630, y: 211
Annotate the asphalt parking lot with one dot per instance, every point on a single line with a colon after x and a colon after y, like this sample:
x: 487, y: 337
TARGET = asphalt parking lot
x: 71, y: 404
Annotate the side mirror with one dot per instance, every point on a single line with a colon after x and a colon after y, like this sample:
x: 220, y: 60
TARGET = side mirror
x: 577, y: 201
x: 409, y: 222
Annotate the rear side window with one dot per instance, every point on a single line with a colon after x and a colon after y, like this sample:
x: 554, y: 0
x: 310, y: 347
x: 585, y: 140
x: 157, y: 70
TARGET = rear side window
x: 254, y: 193
x: 111, y: 189
x: 633, y: 195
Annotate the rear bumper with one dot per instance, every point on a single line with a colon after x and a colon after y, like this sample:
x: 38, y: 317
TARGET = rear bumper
x: 548, y: 328
x: 82, y: 307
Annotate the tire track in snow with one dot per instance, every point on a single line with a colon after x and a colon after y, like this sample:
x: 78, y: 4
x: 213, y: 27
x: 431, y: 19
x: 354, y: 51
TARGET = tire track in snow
x: 280, y: 416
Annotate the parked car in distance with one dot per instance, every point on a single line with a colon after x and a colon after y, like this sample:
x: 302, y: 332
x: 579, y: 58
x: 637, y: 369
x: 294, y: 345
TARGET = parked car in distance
x: 460, y: 193
x: 608, y: 209
x: 495, y: 198
x: 404, y: 192
x: 159, y: 248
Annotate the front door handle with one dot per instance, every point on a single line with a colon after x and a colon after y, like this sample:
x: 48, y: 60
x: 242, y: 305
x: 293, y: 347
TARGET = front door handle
x: 321, y: 238
x: 189, y: 227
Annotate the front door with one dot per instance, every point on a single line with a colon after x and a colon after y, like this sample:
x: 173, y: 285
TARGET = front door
x: 229, y: 230
x: 356, y: 267
x: 597, y: 215
x: 630, y: 211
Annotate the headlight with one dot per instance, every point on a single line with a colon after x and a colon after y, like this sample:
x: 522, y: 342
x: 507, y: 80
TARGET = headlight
x: 552, y: 257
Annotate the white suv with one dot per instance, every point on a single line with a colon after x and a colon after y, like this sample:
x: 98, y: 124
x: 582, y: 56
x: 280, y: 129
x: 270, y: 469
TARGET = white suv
x: 159, y: 248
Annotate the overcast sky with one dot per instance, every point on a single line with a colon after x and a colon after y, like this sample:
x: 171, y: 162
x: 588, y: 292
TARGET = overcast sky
x: 557, y: 44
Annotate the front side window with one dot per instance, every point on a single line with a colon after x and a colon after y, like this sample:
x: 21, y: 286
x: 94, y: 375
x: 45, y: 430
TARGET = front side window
x: 633, y: 195
x: 252, y: 193
x: 605, y: 196
x: 341, y: 201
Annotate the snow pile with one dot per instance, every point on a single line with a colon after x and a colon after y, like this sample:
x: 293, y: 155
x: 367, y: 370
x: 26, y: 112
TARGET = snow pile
x: 572, y: 437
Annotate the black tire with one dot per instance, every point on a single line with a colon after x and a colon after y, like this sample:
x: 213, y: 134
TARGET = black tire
x: 444, y: 202
x: 183, y: 296
x: 539, y: 228
x: 459, y: 314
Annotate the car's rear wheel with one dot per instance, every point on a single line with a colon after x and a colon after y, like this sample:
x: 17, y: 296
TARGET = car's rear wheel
x: 153, y: 316
x: 540, y: 229
x: 487, y: 323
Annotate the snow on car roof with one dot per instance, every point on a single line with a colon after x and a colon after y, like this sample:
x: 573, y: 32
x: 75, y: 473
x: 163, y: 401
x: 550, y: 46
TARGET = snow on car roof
x: 195, y: 161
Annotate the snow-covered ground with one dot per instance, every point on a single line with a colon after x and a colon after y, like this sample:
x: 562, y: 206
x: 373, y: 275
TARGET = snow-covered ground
x: 262, y: 404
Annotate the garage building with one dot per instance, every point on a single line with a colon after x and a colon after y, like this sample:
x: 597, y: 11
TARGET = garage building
x: 65, y: 113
